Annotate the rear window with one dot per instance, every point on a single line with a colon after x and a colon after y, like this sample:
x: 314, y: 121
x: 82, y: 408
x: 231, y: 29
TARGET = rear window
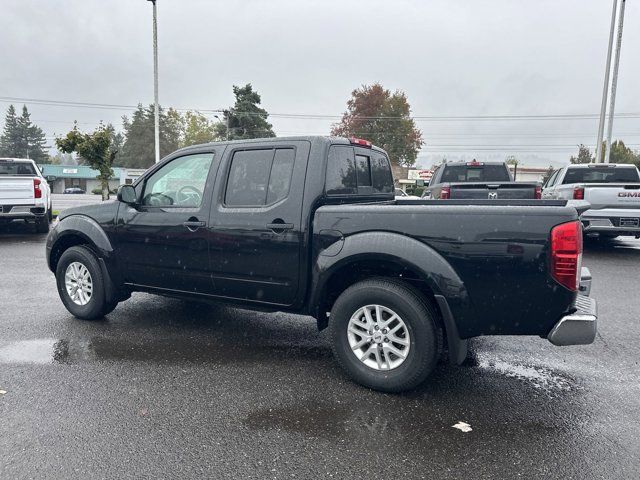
x: 349, y: 173
x: 481, y: 173
x: 17, y: 169
x: 601, y: 175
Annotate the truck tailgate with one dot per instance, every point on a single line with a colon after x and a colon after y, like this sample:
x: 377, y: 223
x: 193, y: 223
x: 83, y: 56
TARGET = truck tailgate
x: 618, y: 195
x: 494, y: 190
x: 16, y: 191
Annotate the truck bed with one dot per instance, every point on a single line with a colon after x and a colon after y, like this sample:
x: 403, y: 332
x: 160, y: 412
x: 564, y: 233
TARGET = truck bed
x: 497, y: 248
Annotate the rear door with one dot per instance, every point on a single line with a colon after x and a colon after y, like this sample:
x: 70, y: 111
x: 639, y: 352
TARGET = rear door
x: 256, y: 233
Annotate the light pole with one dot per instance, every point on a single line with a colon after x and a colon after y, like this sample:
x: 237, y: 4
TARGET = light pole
x: 605, y: 88
x: 614, y: 81
x: 156, y: 108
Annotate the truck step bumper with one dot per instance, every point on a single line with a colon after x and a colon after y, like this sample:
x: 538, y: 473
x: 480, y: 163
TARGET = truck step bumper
x: 578, y: 328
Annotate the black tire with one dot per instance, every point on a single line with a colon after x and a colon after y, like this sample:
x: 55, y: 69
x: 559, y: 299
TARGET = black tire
x: 96, y: 307
x: 42, y: 224
x: 110, y: 307
x: 417, y: 314
x: 50, y: 215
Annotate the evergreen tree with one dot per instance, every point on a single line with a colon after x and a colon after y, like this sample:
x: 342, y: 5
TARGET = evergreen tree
x: 245, y: 119
x: 21, y: 138
x: 10, y: 135
x: 138, y: 149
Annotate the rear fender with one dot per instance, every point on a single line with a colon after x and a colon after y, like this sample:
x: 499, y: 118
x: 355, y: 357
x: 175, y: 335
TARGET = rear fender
x: 404, y: 251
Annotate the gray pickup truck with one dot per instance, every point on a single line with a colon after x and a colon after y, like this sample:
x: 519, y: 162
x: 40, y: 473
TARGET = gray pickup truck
x: 612, y: 190
x: 477, y: 181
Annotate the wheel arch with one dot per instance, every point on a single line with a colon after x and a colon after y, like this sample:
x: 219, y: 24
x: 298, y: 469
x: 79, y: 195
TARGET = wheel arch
x: 388, y: 255
x: 76, y: 230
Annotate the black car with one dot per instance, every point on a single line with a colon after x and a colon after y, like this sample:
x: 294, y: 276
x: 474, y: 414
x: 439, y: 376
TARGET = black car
x: 478, y: 180
x: 310, y: 225
x: 74, y: 190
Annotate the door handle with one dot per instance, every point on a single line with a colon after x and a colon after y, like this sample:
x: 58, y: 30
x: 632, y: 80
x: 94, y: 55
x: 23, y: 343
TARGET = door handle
x: 279, y: 227
x: 193, y: 225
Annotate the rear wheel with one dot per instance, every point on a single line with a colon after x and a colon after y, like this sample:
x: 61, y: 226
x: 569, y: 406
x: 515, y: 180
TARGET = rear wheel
x: 384, y: 335
x: 81, y: 285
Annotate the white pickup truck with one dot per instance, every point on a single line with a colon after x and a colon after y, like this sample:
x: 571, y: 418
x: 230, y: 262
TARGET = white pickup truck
x: 24, y: 194
x: 612, y: 189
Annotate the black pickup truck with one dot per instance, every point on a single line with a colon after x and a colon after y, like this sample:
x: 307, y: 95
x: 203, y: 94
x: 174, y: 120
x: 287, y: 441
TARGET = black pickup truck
x: 310, y: 225
x: 478, y: 180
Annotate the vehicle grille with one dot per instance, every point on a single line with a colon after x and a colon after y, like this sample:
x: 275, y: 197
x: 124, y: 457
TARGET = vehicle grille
x: 629, y: 222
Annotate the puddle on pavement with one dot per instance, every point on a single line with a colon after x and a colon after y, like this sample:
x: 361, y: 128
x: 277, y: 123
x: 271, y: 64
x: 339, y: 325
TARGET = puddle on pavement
x: 50, y: 351
x: 315, y: 419
x: 38, y: 351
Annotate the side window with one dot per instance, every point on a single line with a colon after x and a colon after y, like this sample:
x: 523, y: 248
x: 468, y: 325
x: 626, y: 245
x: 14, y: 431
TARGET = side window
x: 179, y: 183
x: 349, y: 174
x: 381, y: 175
x: 259, y: 177
x: 280, y: 178
x: 552, y: 179
x: 341, y: 171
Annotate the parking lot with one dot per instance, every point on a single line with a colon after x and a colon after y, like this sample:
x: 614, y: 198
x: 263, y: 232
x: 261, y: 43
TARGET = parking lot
x: 167, y: 388
x: 61, y: 201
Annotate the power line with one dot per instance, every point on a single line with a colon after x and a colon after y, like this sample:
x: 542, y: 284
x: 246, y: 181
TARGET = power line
x: 304, y: 116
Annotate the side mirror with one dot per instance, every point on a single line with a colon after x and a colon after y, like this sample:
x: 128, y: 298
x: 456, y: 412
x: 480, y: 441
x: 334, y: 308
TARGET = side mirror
x: 127, y: 194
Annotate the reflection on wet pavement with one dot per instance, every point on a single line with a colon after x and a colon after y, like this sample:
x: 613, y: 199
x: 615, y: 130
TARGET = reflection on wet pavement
x: 47, y: 351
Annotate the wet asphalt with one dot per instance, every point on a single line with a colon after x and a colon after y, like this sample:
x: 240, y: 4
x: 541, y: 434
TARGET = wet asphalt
x: 164, y: 388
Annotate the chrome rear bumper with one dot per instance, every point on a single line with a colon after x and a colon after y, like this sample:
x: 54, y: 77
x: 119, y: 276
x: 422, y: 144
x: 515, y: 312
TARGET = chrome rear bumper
x: 581, y: 326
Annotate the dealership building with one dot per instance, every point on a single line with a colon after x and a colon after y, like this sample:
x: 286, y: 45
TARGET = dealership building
x: 60, y: 177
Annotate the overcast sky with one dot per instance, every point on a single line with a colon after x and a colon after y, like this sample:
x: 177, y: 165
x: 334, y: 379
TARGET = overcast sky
x: 455, y: 58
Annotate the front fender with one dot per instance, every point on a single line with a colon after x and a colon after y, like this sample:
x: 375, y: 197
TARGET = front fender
x: 76, y: 226
x: 404, y: 251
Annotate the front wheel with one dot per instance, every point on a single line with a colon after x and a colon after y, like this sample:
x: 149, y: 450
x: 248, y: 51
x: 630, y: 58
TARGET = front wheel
x: 81, y: 285
x: 384, y: 335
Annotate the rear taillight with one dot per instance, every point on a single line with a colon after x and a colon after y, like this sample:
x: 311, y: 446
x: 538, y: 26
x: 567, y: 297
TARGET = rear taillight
x: 566, y: 254
x: 538, y: 193
x: 37, y: 192
x: 445, y: 193
x: 578, y: 193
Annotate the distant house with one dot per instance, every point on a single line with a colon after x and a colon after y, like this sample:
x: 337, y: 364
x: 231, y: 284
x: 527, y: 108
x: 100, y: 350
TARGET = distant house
x: 60, y: 177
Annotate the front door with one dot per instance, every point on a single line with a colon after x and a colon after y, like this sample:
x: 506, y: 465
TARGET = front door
x: 163, y: 240
x: 256, y: 229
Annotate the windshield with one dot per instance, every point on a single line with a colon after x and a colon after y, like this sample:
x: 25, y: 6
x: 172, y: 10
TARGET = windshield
x: 482, y: 173
x: 17, y: 169
x: 601, y: 175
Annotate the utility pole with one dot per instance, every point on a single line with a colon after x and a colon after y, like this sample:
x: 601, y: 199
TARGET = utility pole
x: 614, y: 81
x: 156, y: 107
x: 605, y: 88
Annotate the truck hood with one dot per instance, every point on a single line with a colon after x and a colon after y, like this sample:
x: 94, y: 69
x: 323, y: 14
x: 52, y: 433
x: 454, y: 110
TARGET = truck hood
x: 99, y: 211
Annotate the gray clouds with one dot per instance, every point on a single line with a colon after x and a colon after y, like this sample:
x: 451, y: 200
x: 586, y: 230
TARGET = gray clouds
x: 451, y: 58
